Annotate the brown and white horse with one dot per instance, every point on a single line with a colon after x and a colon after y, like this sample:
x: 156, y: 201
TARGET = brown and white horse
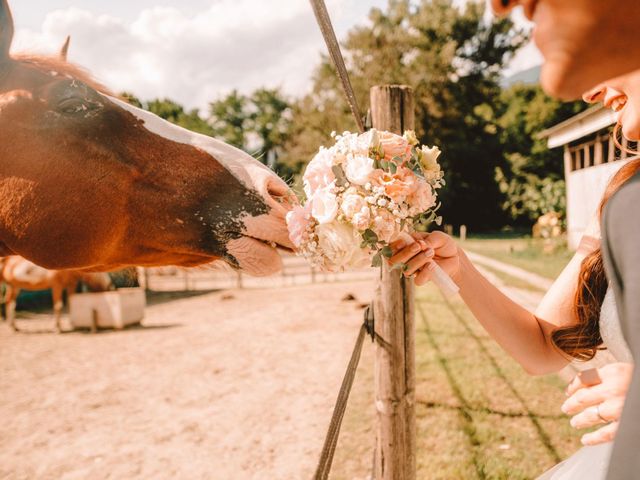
x: 21, y: 274
x: 90, y: 182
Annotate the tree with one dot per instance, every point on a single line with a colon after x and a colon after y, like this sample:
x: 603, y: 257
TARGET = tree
x: 228, y: 118
x: 175, y: 113
x: 453, y: 58
x: 270, y: 120
x: 131, y: 99
x: 532, y: 176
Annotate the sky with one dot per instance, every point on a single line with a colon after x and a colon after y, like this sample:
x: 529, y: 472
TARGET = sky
x: 192, y: 51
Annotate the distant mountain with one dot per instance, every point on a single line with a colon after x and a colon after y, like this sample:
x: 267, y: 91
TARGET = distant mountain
x: 529, y: 76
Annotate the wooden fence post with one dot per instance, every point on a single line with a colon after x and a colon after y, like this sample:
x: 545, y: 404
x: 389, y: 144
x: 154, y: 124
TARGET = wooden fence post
x: 392, y: 109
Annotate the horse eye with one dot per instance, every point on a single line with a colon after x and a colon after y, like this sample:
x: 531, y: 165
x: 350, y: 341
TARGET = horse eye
x: 74, y: 105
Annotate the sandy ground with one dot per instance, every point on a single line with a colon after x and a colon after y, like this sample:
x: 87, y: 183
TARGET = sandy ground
x: 209, y: 388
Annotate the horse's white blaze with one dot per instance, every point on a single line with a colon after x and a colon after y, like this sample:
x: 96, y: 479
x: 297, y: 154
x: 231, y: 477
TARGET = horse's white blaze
x: 13, y: 96
x: 242, y: 165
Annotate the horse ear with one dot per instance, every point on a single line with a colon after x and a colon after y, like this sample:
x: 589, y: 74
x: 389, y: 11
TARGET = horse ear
x: 6, y: 29
x: 65, y: 49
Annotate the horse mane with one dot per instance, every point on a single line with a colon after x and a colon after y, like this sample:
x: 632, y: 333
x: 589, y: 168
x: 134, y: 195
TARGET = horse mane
x: 49, y: 64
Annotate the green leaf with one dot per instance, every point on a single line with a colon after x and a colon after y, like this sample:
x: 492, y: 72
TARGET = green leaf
x: 341, y: 178
x: 370, y: 236
x: 393, y: 168
x: 376, y: 261
x: 386, y: 251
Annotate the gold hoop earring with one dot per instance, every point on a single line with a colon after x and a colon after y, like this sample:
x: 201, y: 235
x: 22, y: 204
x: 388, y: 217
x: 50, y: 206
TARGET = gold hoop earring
x: 617, y: 131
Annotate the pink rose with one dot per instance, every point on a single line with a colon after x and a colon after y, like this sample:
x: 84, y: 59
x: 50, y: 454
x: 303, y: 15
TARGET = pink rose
x: 397, y: 186
x: 298, y: 221
x: 352, y: 203
x: 362, y: 219
x: 385, y: 226
x: 394, y: 146
x: 422, y: 197
x: 319, y: 173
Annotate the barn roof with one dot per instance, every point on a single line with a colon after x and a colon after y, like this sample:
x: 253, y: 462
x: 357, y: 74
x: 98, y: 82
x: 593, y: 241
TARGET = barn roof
x: 590, y: 121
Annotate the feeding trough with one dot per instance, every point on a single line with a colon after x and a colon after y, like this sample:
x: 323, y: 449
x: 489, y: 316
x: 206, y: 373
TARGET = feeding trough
x: 115, y: 309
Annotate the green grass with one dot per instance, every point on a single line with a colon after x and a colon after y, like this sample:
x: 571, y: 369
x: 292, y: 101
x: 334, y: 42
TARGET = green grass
x: 521, y: 251
x: 512, y: 281
x: 479, y: 415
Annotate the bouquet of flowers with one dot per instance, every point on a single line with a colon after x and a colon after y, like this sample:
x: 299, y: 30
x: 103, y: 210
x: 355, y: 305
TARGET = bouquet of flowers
x: 362, y: 194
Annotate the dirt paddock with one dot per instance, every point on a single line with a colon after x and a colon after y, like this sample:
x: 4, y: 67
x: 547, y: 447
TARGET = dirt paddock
x: 222, y: 385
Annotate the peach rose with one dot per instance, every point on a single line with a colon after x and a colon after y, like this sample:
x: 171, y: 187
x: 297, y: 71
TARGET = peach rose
x: 397, y: 186
x: 394, y: 146
x: 421, y: 198
x: 385, y: 226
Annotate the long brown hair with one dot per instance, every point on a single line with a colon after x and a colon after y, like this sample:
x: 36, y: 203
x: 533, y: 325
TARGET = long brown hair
x: 582, y: 340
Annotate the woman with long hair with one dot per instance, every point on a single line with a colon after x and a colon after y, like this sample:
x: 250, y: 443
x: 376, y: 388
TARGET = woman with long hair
x: 576, y: 318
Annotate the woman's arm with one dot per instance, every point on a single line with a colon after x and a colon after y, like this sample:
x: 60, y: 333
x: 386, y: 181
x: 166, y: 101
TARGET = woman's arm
x: 525, y: 335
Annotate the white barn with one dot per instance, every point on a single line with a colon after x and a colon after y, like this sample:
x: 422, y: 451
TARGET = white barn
x: 590, y: 160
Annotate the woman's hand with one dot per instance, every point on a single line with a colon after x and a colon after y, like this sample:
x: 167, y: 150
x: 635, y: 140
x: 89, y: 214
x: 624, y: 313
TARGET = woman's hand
x: 419, y: 250
x: 593, y: 403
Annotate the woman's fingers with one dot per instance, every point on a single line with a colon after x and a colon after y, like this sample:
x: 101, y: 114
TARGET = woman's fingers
x: 602, y: 435
x: 422, y: 249
x: 419, y: 261
x: 406, y: 253
x: 442, y: 243
x: 585, y: 397
x: 612, y: 380
x: 424, y: 275
x: 586, y: 378
x: 607, y: 411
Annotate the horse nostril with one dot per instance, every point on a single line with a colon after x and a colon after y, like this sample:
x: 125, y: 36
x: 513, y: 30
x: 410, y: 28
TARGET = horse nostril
x: 281, y: 194
x: 502, y: 7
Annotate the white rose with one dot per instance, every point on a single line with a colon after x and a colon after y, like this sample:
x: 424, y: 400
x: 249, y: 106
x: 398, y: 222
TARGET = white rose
x: 340, y: 243
x: 429, y: 159
x: 362, y: 219
x: 319, y: 173
x: 358, y: 168
x: 369, y: 140
x: 324, y: 206
x: 352, y: 204
x: 410, y: 137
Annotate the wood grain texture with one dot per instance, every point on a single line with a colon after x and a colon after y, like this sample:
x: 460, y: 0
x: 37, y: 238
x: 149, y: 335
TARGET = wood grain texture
x: 392, y: 109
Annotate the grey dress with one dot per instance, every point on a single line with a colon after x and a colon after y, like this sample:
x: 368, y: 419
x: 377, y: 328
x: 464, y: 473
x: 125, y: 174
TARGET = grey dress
x: 591, y: 463
x: 621, y: 254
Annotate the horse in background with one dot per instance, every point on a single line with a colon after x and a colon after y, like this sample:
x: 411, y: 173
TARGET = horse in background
x: 90, y: 182
x: 20, y: 274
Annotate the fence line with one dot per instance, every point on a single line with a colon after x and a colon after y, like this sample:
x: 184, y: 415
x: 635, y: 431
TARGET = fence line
x: 296, y: 271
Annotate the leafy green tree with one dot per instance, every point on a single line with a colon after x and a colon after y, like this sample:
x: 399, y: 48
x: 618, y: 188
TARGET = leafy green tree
x: 270, y: 120
x: 131, y: 99
x: 229, y: 118
x: 452, y: 57
x: 175, y: 113
x: 532, y: 176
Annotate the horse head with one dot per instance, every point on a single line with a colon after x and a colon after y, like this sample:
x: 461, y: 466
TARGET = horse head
x: 89, y: 181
